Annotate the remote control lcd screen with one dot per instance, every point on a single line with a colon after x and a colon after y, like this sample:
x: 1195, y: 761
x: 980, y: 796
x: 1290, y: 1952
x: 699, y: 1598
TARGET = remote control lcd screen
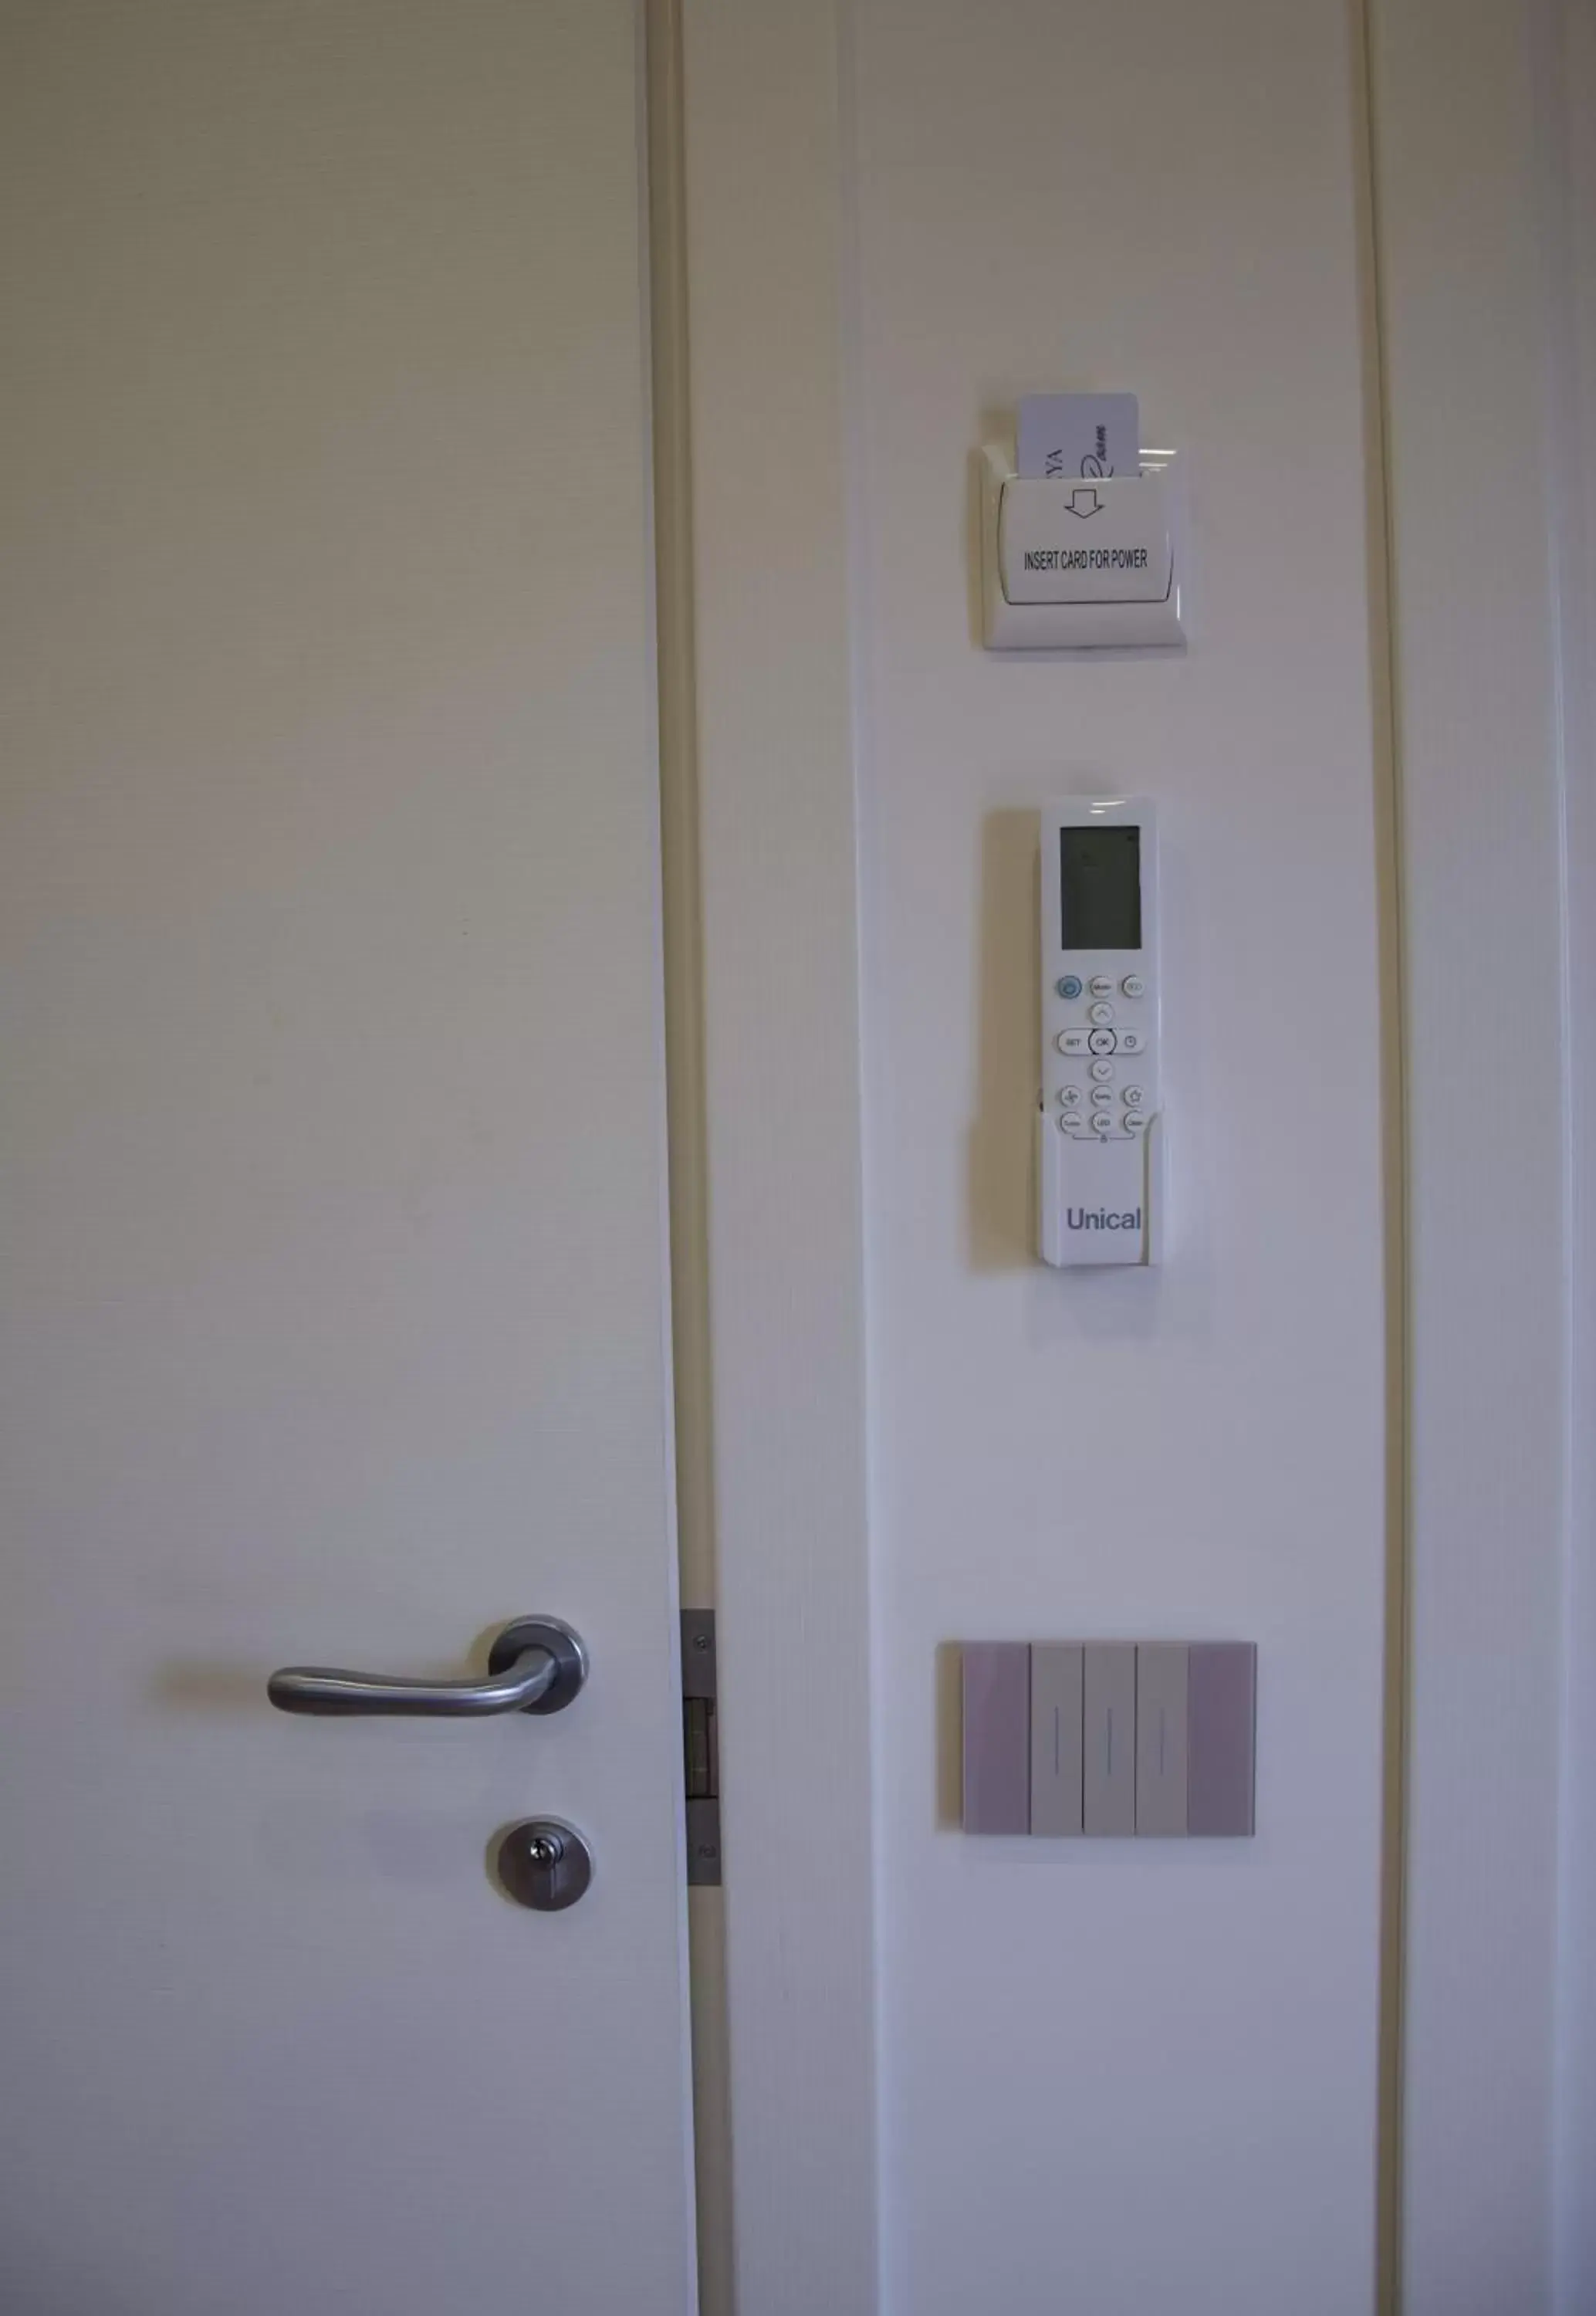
x: 1100, y: 885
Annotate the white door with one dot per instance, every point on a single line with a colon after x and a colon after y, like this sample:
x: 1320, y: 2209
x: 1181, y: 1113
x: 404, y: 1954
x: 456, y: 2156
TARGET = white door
x: 335, y: 1296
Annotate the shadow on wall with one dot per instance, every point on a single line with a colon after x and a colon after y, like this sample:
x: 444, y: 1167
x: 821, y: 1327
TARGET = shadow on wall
x: 1002, y: 1189
x: 949, y: 1706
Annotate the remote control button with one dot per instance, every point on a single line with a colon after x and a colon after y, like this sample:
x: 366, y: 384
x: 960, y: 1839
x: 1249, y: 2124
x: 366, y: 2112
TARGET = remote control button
x: 1133, y: 986
x: 1072, y: 1041
x: 1102, y: 985
x: 1102, y: 1121
x: 1101, y: 1014
x: 1131, y: 1041
x: 1135, y: 1121
x: 1073, y: 1121
x: 1103, y: 1070
x: 1069, y: 986
x: 1100, y: 1042
x: 1100, y: 1095
x: 1134, y: 1097
x: 1070, y: 1097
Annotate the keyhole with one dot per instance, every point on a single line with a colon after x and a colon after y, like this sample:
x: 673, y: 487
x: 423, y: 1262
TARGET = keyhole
x: 544, y: 1864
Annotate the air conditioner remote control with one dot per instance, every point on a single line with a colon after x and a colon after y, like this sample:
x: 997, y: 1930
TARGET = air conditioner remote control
x: 1100, y: 1126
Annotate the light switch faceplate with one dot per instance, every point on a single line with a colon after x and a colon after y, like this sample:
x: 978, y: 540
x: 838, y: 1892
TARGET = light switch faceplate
x: 1162, y: 1751
x: 997, y: 1737
x: 1152, y: 1738
x: 1108, y: 1737
x: 1056, y: 1732
x: 1221, y: 1727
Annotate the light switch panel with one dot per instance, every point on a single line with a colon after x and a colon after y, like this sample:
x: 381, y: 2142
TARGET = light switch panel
x: 1161, y: 1737
x: 1108, y: 1737
x: 1067, y: 1737
x: 996, y: 1737
x: 1055, y: 1674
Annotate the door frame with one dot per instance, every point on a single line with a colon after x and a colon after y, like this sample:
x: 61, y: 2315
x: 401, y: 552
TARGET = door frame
x: 1478, y: 597
x: 1488, y: 581
x: 761, y: 945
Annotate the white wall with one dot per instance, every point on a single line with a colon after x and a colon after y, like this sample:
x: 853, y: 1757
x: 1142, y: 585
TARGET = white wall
x: 1125, y: 2079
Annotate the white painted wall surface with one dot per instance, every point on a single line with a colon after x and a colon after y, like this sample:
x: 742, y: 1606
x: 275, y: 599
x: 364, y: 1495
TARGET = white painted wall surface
x: 1126, y: 2079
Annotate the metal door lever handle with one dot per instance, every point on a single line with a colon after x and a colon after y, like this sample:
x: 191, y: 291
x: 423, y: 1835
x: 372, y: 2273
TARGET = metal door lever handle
x: 536, y: 1665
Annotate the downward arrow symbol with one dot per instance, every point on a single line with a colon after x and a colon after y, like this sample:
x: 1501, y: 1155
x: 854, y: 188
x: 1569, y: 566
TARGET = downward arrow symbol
x: 1083, y: 503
